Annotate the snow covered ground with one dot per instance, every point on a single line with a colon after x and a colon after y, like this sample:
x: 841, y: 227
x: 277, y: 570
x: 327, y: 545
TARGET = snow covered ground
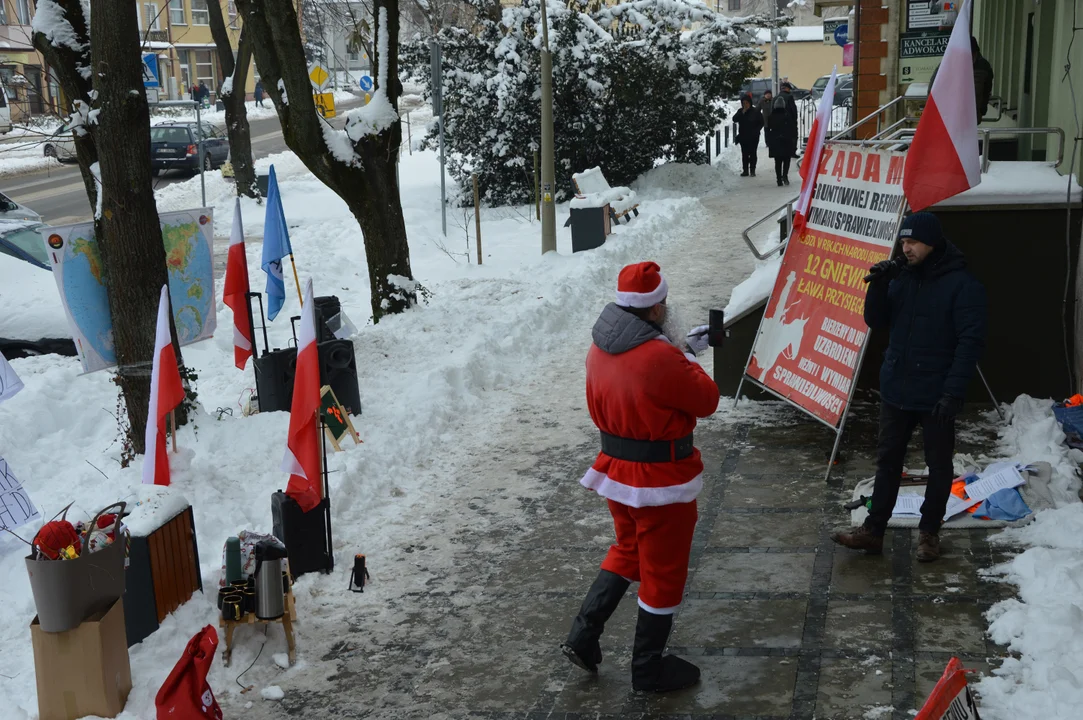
x: 437, y: 384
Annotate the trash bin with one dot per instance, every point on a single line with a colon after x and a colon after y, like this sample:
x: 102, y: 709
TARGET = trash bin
x: 590, y: 226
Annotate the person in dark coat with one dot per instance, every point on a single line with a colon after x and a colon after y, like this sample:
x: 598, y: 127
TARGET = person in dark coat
x: 204, y: 91
x: 765, y: 108
x: 781, y: 143
x: 983, y: 79
x: 748, y: 121
x: 791, y: 114
x: 934, y: 310
x: 258, y: 93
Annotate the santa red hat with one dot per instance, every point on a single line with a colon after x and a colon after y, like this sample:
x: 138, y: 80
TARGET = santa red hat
x: 641, y: 285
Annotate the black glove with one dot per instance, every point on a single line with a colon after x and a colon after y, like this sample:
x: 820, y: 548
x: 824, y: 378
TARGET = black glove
x: 884, y: 270
x: 947, y: 408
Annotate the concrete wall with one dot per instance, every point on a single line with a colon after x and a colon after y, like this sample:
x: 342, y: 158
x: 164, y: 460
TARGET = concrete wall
x: 803, y: 62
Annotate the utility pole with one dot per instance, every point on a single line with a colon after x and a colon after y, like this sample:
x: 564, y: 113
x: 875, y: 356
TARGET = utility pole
x: 774, y: 48
x: 548, y: 170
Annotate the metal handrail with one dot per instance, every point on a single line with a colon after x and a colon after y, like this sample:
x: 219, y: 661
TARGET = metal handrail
x: 986, y: 132
x: 891, y: 128
x: 788, y: 207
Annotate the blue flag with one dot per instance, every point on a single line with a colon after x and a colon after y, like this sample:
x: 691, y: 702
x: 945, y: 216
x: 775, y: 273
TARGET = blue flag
x: 276, y: 245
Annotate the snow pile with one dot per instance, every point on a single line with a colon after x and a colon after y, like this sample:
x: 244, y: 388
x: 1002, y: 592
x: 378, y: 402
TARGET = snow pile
x: 49, y: 20
x: 1044, y: 627
x: 227, y: 86
x: 378, y: 115
x: 755, y: 289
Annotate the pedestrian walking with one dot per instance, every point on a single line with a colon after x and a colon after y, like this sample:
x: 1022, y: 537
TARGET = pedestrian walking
x: 644, y: 394
x: 747, y: 123
x: 204, y: 92
x: 791, y: 115
x: 258, y: 93
x: 781, y: 141
x: 935, y: 313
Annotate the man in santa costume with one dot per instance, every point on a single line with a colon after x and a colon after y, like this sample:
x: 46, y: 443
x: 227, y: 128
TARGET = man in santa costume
x: 644, y: 393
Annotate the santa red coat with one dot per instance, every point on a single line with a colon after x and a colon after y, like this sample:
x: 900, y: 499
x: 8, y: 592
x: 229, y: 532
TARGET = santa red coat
x: 640, y: 386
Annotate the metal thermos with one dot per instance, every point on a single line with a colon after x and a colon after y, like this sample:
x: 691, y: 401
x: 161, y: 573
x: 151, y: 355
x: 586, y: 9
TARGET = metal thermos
x: 270, y: 597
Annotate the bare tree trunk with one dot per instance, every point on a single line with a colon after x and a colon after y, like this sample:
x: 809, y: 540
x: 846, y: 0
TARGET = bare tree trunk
x: 369, y: 183
x: 240, y: 134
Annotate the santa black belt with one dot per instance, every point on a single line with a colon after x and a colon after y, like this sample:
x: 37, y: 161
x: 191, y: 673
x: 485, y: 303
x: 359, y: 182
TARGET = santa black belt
x: 647, y: 451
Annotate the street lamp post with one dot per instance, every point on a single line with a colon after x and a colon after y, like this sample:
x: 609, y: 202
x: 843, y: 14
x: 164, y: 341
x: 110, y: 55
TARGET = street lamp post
x: 548, y: 170
x: 774, y: 48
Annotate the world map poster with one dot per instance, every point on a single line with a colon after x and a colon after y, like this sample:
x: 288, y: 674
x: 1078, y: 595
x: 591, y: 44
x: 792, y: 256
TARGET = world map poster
x: 188, y: 236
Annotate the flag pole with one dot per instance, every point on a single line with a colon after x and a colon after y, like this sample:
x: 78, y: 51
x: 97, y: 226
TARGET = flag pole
x: 173, y: 427
x: 296, y: 280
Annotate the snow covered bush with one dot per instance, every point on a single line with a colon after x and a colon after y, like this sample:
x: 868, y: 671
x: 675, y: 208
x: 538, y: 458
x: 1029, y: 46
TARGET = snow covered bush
x: 633, y: 84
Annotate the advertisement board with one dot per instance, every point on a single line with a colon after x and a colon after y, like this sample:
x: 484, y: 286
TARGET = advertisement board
x: 812, y: 338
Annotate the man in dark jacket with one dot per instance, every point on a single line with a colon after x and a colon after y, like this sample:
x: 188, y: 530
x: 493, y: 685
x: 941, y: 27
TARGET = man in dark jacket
x: 747, y: 123
x: 983, y: 79
x: 791, y: 115
x: 934, y: 310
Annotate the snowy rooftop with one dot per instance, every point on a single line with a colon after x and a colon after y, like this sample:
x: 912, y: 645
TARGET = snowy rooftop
x: 1018, y: 183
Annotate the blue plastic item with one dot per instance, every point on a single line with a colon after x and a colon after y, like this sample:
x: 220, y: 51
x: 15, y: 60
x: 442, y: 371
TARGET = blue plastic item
x: 1004, y: 504
x: 1070, y: 418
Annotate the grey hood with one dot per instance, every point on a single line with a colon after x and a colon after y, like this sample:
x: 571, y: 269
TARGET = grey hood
x: 618, y: 330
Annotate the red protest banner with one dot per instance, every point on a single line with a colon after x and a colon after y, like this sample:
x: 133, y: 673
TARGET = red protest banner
x: 813, y: 331
x: 951, y: 698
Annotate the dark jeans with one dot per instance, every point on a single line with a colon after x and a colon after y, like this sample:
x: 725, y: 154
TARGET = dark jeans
x: 896, y: 427
x: 748, y: 158
x: 782, y: 167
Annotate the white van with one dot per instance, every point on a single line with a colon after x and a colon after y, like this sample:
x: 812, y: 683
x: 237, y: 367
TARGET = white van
x: 5, y: 112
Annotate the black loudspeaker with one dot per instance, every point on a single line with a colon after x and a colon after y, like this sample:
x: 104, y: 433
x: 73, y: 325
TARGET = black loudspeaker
x: 327, y: 307
x: 274, y: 379
x: 306, y: 535
x: 338, y: 368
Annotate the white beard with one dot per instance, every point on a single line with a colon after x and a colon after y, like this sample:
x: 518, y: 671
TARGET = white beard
x: 675, y: 328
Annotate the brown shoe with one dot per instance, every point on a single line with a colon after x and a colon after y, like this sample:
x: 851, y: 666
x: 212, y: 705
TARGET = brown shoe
x: 928, y: 547
x: 860, y: 538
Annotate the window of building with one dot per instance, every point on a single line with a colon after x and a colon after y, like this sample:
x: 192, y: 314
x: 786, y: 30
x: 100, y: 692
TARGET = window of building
x: 3, y: 13
x: 735, y: 4
x: 204, y: 64
x: 200, y: 14
x: 22, y: 7
x: 176, y: 12
x: 152, y: 19
x: 353, y: 49
x: 232, y: 7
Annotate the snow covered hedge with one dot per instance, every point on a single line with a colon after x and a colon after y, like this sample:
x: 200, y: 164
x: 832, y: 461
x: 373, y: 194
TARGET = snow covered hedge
x: 633, y: 83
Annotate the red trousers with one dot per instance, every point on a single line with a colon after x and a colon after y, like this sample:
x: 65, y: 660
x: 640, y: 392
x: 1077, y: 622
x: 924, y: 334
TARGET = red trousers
x: 653, y: 545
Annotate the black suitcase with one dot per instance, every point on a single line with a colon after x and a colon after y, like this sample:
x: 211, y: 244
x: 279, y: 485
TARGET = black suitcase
x: 306, y: 535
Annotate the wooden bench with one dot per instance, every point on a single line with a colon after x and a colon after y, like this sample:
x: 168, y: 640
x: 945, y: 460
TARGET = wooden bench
x: 593, y: 190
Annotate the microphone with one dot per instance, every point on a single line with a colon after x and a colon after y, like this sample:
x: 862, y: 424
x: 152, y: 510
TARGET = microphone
x: 900, y: 261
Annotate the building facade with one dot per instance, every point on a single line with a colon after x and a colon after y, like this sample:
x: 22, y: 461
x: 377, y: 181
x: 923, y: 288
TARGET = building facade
x: 23, y: 72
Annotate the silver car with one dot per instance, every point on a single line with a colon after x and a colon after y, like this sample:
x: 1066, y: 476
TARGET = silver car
x: 11, y: 210
x: 61, y: 145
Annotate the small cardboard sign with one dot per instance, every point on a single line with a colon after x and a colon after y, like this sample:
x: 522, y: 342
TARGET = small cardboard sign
x: 16, y: 507
x: 336, y: 421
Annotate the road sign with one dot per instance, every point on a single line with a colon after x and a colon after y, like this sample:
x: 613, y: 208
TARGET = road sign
x: 830, y: 25
x: 153, y: 97
x: 365, y: 83
x: 841, y: 33
x: 325, y: 104
x: 150, y: 70
x: 319, y: 76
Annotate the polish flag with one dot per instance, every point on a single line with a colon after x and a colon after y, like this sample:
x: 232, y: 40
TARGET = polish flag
x: 166, y: 393
x: 813, y: 150
x: 302, y: 458
x: 235, y: 294
x: 943, y: 159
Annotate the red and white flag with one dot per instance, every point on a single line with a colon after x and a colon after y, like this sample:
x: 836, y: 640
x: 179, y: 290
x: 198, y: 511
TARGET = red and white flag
x: 810, y: 163
x: 302, y: 459
x: 235, y: 294
x: 943, y: 159
x: 166, y: 393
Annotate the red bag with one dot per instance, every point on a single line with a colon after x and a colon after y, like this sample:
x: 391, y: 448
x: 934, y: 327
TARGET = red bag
x: 185, y: 694
x: 951, y: 699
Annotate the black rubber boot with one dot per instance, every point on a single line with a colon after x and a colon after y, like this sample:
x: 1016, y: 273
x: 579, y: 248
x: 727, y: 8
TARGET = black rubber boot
x: 651, y: 670
x: 582, y: 646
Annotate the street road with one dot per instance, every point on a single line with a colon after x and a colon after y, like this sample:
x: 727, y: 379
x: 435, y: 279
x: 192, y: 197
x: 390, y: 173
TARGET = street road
x: 59, y: 196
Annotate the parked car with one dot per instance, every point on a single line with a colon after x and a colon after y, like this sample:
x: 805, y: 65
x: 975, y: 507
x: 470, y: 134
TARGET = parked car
x: 844, y: 88
x: 757, y: 88
x: 11, y: 210
x: 33, y: 321
x: 175, y: 146
x: 61, y: 145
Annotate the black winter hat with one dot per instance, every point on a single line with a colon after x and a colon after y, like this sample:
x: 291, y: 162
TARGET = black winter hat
x: 923, y: 227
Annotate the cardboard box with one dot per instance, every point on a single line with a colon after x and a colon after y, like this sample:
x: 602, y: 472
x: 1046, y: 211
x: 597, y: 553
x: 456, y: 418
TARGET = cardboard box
x: 83, y: 671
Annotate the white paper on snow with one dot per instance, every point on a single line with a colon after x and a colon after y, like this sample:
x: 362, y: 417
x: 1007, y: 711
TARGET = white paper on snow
x: 908, y: 504
x: 9, y: 381
x: 957, y: 505
x: 16, y: 508
x: 1002, y: 479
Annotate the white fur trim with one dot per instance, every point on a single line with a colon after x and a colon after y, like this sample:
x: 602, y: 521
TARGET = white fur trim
x: 639, y: 497
x: 644, y: 300
x: 691, y: 358
x: 657, y: 611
